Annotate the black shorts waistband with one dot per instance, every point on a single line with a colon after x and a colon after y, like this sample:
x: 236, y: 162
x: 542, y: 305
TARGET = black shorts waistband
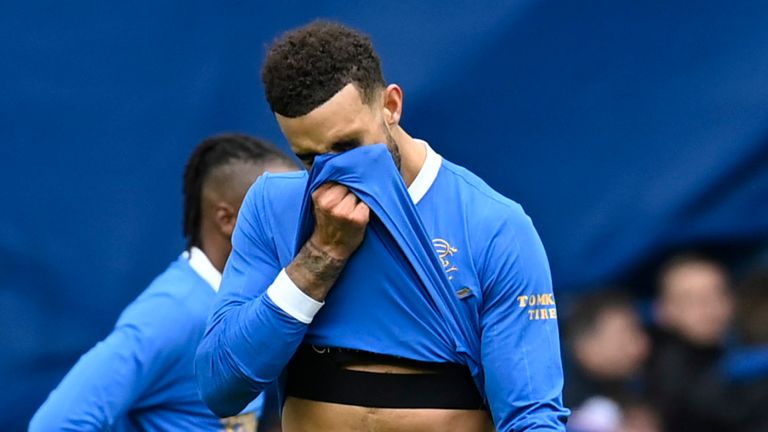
x: 319, y: 374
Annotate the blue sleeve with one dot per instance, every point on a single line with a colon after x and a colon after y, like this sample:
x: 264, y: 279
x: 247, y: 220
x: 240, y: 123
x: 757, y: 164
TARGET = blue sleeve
x: 520, y: 346
x: 110, y: 378
x: 249, y: 339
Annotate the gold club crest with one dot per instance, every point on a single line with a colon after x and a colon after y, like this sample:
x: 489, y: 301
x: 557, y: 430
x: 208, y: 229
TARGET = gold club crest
x: 444, y: 252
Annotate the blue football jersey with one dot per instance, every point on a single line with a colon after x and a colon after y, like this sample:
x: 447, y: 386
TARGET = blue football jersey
x: 141, y: 377
x: 449, y: 271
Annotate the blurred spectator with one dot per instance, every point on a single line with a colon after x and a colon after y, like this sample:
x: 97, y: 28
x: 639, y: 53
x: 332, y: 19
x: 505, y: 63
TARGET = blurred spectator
x: 693, y: 312
x: 735, y: 396
x: 608, y: 347
x: 600, y: 414
x: 596, y: 414
x: 639, y: 416
x: 694, y: 299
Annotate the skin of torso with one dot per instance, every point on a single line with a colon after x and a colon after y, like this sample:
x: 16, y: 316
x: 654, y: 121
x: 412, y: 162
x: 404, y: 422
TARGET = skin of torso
x: 301, y: 415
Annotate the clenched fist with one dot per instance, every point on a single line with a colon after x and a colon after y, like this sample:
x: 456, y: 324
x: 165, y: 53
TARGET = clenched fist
x: 340, y: 220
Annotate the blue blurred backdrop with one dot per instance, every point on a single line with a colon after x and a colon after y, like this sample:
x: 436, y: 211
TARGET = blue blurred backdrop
x: 624, y: 128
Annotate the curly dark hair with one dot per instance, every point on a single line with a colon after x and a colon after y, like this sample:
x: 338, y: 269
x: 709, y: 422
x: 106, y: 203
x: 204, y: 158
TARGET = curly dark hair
x: 307, y: 66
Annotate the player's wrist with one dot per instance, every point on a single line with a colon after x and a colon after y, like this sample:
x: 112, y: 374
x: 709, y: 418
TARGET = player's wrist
x: 293, y: 300
x: 314, y: 271
x: 338, y: 253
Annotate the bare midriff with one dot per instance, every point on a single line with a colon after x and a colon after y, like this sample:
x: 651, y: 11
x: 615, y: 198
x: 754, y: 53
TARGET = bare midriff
x: 301, y: 415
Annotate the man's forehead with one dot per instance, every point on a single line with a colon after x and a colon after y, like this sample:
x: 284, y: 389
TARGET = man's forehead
x: 335, y: 119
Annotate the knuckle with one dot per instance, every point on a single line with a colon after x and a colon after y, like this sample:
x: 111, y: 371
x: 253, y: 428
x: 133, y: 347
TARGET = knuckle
x: 325, y: 201
x: 359, y: 220
x: 337, y: 213
x: 322, y: 205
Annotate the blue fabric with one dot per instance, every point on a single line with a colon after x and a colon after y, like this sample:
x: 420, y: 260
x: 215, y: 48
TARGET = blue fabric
x: 746, y: 363
x: 397, y: 294
x: 406, y: 269
x: 141, y: 376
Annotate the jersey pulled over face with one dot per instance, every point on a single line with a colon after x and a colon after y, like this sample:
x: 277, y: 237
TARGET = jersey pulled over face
x: 342, y: 123
x: 496, y: 313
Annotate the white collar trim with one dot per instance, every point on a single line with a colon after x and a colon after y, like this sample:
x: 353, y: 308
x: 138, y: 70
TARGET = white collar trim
x: 427, y: 175
x: 203, y: 267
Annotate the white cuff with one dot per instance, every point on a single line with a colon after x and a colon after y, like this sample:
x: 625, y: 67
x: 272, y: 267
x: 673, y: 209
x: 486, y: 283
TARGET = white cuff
x: 292, y: 300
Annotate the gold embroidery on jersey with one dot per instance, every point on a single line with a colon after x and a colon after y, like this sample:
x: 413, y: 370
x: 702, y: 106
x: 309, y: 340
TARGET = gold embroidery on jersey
x: 444, y: 251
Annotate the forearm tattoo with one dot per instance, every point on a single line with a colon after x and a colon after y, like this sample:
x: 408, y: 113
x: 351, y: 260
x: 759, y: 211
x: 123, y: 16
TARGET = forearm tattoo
x: 321, y: 266
x: 314, y: 271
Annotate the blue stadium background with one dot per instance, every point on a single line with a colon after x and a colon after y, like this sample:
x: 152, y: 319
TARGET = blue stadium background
x: 624, y: 128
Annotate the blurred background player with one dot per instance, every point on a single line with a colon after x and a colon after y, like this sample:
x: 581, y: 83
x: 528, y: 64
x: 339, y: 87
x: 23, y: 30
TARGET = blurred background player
x: 693, y: 313
x: 141, y: 376
x: 608, y: 348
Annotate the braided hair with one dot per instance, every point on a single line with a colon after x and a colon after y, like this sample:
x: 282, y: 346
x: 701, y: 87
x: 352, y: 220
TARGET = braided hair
x: 214, y: 152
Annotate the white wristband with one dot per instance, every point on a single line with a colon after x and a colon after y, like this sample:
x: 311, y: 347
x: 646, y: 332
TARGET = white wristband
x: 292, y: 300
